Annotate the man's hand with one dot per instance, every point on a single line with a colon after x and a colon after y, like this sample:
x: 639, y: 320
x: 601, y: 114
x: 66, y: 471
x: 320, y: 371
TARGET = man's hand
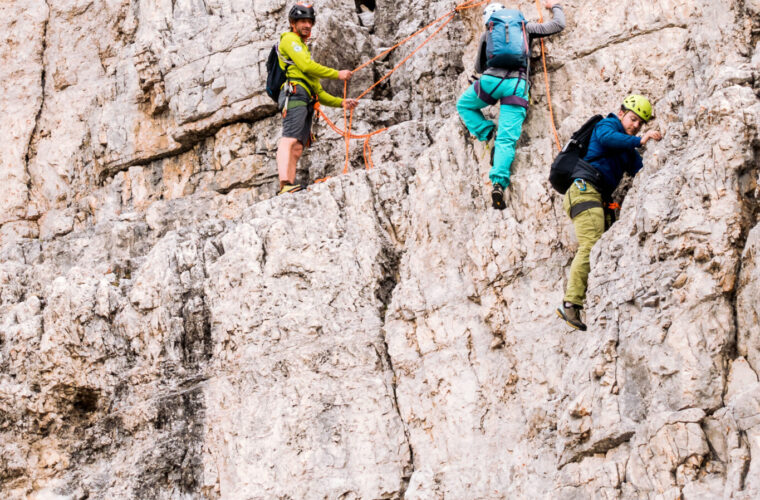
x: 350, y: 104
x: 652, y: 134
x: 344, y: 75
x: 551, y: 3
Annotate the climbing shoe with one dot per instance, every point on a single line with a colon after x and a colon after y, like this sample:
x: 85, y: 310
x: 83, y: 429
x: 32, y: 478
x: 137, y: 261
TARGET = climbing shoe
x: 571, y: 314
x: 290, y: 188
x: 497, y: 196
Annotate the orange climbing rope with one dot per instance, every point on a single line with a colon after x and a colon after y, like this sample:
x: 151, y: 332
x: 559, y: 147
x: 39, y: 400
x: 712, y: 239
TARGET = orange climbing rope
x: 443, y: 20
x: 448, y: 18
x: 348, y: 120
x: 348, y: 136
x: 546, y: 80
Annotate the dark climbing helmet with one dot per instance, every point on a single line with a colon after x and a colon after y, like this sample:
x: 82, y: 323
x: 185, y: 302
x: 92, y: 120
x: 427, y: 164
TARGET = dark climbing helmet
x: 302, y: 11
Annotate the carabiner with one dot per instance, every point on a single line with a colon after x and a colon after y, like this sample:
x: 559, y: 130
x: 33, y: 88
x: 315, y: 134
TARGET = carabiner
x: 580, y: 184
x: 287, y: 102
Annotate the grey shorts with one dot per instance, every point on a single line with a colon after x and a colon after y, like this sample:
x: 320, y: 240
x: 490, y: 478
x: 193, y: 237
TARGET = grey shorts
x: 298, y: 119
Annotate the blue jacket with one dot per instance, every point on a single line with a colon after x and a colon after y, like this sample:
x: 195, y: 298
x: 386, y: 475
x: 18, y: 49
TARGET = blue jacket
x: 613, y: 152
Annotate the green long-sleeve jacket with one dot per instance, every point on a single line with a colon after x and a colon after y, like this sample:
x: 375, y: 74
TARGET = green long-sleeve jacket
x: 304, y: 68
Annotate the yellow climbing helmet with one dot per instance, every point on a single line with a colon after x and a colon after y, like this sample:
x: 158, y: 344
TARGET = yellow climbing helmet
x: 639, y: 105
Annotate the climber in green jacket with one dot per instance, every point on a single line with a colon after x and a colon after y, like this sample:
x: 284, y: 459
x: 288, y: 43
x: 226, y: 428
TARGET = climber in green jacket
x: 299, y: 94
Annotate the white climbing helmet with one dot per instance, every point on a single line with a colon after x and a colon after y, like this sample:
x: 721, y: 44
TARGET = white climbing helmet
x: 490, y: 9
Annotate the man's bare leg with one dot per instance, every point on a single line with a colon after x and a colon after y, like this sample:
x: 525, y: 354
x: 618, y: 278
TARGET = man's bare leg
x: 296, y: 150
x: 285, y: 166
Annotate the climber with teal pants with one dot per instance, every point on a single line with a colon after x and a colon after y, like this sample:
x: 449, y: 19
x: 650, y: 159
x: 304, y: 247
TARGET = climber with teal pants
x: 503, y: 59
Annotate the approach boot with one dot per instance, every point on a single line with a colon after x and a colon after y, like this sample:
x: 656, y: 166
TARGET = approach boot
x: 571, y: 314
x: 290, y: 188
x: 497, y: 197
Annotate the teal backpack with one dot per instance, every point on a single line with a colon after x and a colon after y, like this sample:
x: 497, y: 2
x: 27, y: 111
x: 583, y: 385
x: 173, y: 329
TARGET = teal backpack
x: 507, y: 40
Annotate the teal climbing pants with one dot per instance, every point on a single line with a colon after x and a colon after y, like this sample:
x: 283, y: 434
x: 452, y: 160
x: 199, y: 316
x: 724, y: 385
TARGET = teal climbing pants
x: 511, y: 118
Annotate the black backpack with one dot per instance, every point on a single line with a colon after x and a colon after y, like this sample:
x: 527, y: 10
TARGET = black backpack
x: 561, y: 172
x: 276, y: 76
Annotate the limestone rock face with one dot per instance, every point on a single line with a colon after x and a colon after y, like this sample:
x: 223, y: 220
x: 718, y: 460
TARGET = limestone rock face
x: 171, y: 329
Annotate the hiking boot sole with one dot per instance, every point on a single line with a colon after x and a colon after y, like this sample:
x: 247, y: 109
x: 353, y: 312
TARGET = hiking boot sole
x: 577, y: 326
x: 498, y: 200
x: 293, y: 189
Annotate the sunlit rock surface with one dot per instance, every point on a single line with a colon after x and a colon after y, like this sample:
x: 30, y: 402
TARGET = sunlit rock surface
x: 171, y: 329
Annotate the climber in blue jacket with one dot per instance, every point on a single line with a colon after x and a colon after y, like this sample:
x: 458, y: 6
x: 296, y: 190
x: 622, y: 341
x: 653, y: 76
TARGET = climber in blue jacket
x: 611, y: 153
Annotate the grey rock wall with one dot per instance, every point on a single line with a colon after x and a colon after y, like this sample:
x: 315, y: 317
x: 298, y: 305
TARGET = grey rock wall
x: 170, y: 329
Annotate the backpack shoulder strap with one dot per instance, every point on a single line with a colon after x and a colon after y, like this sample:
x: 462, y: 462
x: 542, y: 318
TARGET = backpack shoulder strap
x: 287, y: 62
x: 585, y: 132
x: 282, y: 58
x: 527, y: 51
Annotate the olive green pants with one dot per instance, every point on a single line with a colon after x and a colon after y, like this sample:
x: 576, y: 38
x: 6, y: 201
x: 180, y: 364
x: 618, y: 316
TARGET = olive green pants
x: 589, y: 227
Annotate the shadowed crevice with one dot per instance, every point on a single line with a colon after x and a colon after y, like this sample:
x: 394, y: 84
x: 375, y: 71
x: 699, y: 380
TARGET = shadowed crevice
x: 43, y: 78
x: 390, y: 261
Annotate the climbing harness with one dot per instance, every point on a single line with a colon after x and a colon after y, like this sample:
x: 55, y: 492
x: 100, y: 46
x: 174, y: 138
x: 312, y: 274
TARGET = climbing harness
x: 609, y: 210
x: 290, y: 90
x: 513, y: 99
x: 581, y: 207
